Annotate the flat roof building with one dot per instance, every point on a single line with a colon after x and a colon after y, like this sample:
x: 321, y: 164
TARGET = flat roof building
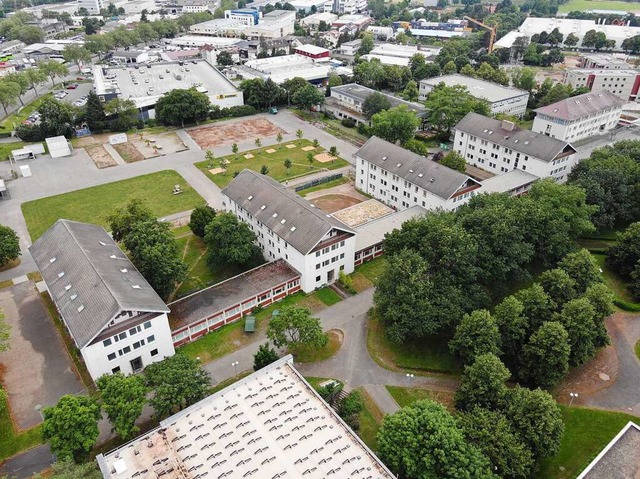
x: 502, y: 99
x: 285, y: 67
x: 392, y: 54
x: 270, y: 424
x: 602, y: 61
x: 622, y: 83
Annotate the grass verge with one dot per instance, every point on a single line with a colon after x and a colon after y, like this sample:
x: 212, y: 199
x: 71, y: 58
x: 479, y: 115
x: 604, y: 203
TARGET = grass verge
x: 93, y: 205
x: 12, y: 121
x: 12, y: 441
x: 300, y: 166
x: 324, y: 186
x: 228, y: 382
x: 406, y: 396
x: 587, y: 432
x: 370, y: 420
x: 372, y: 270
x: 615, y: 282
x: 328, y: 296
x: 313, y: 354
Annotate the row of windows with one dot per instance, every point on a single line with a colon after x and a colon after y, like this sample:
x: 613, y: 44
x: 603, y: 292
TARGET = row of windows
x: 127, y: 349
x: 333, y: 247
x: 327, y: 262
x: 123, y: 335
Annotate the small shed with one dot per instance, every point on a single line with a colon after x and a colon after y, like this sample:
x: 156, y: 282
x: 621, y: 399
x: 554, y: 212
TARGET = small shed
x: 58, y: 147
x: 22, y: 154
x: 249, y: 324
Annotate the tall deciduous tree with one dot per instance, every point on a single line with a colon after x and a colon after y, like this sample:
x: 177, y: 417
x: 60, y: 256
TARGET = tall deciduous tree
x: 9, y: 94
x: 308, y: 97
x: 538, y: 306
x: 180, y: 106
x: 577, y: 317
x: 582, y: 267
x: 448, y: 105
x: 625, y: 254
x: 71, y: 426
x: 122, y: 220
x: 9, y: 245
x: 295, y: 326
x: 423, y: 441
x: 230, y: 241
x: 513, y: 325
x: 201, y: 216
x: 53, y: 69
x: 398, y: 124
x: 77, y: 54
x: 455, y: 161
x: 546, y: 355
x: 560, y: 287
x: 122, y: 398
x: 264, y: 356
x: 482, y: 383
x: 177, y: 382
x: 375, y: 103
x: 476, y: 334
x: 411, y: 92
x: 65, y: 469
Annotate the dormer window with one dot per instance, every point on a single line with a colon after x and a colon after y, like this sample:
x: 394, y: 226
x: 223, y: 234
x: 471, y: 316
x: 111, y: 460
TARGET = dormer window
x: 60, y: 274
x: 67, y: 287
x: 124, y: 270
x: 135, y: 286
x: 102, y: 243
x: 80, y: 308
x: 52, y: 260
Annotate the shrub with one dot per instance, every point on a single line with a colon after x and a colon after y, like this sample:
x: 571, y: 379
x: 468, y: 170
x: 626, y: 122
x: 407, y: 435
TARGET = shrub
x: 347, y: 283
x: 626, y: 305
x: 348, y: 122
x: 349, y: 409
x: 363, y: 129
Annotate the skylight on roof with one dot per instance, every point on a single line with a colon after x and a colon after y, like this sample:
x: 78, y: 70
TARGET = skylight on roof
x: 250, y: 198
x: 263, y: 207
x: 73, y: 296
x: 52, y: 259
x: 283, y: 221
x: 102, y: 243
x: 112, y: 256
x: 275, y: 215
x: 67, y: 287
x: 384, y: 158
x: 399, y: 165
x: 293, y: 228
x: 60, y: 274
x: 80, y: 308
x: 124, y: 270
x: 135, y: 286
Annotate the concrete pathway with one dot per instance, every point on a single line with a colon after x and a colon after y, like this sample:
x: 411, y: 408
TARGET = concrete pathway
x: 114, y: 154
x: 28, y: 463
x: 382, y: 398
x: 188, y: 141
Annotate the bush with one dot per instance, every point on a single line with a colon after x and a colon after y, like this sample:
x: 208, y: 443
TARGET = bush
x: 348, y: 122
x: 626, y: 305
x: 152, y: 122
x: 349, y: 409
x: 29, y: 133
x: 347, y: 283
x: 363, y: 129
x: 139, y: 124
x: 237, y: 111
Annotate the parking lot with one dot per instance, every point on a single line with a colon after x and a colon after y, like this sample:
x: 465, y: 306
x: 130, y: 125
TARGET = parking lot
x: 73, y: 95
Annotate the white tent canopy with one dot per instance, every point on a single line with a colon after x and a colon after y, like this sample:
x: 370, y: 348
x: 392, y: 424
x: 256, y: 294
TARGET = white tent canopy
x: 58, y: 147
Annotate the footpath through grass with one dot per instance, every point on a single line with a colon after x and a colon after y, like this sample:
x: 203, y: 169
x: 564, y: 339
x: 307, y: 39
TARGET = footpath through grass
x: 300, y: 166
x: 93, y: 205
x: 587, y: 432
x: 407, y: 396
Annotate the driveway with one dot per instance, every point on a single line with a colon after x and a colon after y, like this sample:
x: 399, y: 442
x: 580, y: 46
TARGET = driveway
x: 37, y: 369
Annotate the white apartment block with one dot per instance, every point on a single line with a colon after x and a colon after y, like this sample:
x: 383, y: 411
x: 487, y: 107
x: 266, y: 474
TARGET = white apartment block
x: 403, y: 179
x: 580, y: 116
x: 349, y: 7
x: 501, y: 147
x: 288, y: 227
x: 622, y: 83
x: 602, y: 61
x: 114, y: 316
x: 92, y: 6
x: 502, y: 99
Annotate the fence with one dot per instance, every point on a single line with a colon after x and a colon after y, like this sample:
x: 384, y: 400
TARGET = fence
x: 319, y: 181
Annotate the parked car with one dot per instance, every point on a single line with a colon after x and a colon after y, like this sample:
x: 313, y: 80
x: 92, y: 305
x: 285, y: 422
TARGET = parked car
x: 73, y: 86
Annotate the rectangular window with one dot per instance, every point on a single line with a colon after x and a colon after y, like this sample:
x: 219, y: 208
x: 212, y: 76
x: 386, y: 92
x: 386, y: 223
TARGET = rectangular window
x: 147, y: 325
x: 341, y: 255
x: 151, y: 338
x: 111, y: 356
x: 115, y: 370
x: 107, y: 342
x: 137, y: 345
x: 126, y: 350
x: 132, y: 331
x: 154, y: 352
x: 122, y: 336
x: 317, y: 279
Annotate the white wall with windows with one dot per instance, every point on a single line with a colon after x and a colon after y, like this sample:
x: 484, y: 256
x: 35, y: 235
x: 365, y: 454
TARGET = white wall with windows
x: 574, y: 130
x: 130, y: 350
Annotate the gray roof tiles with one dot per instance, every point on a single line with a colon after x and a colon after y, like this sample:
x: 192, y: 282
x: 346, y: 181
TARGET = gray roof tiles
x: 288, y: 215
x: 526, y: 142
x: 90, y: 279
x: 428, y: 174
x: 581, y: 105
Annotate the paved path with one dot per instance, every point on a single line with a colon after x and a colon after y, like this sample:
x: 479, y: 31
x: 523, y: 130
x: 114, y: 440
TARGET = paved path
x: 383, y: 398
x: 28, y: 463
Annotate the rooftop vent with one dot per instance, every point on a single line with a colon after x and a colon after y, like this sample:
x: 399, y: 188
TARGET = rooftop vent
x: 283, y: 221
x: 67, y: 287
x: 410, y: 171
x: 112, y: 256
x: 516, y: 141
x: 80, y: 308
x: 431, y: 180
x: 250, y: 198
x: 52, y: 260
x: 526, y: 142
x: 102, y: 243
x: 420, y: 175
x: 485, y: 130
x: 399, y: 165
x: 124, y: 270
x: 384, y: 158
x: 60, y: 274
x: 135, y: 286
x: 263, y: 207
x: 275, y: 215
x: 73, y: 296
x: 293, y: 228
x: 555, y: 110
x: 491, y: 132
x: 577, y: 102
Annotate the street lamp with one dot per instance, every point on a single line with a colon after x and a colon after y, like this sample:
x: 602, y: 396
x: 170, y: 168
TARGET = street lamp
x: 235, y: 366
x: 573, y: 396
x: 409, y: 377
x: 39, y: 409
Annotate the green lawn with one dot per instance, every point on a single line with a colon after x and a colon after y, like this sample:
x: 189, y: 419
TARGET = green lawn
x: 10, y: 122
x: 615, y: 282
x: 582, y: 5
x: 370, y: 419
x: 406, y: 396
x: 372, y: 270
x: 324, y: 186
x: 315, y: 382
x: 587, y: 432
x: 11, y: 441
x: 313, y: 354
x: 274, y: 161
x: 637, y: 349
x: 328, y: 296
x: 430, y: 354
x: 93, y: 205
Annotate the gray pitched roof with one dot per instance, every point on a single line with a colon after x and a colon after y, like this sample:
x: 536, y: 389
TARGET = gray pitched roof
x: 581, y: 105
x: 526, y: 142
x: 361, y: 93
x: 428, y: 174
x: 295, y: 221
x: 90, y: 279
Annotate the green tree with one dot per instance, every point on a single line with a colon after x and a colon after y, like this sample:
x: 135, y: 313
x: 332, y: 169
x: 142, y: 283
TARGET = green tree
x: 454, y: 160
x: 468, y: 70
x: 578, y: 318
x: 423, y: 441
x: 582, y: 267
x: 560, y: 287
x: 77, y: 54
x: 491, y: 432
x: 524, y: 78
x: 623, y: 256
x: 411, y: 92
x: 230, y: 241
x: 177, y: 382
x: 546, y: 355
x: 122, y: 398
x: 398, y: 124
x: 65, y: 469
x: 538, y: 306
x: 601, y: 299
x: 9, y: 94
x: 264, y: 356
x: 513, y: 325
x: 310, y: 158
x: 420, y: 69
x: 449, y: 68
x: 94, y: 113
x: 334, y: 80
x: 299, y: 135
x: 369, y: 73
x: 350, y: 408
x: 264, y: 170
x: 279, y: 137
x: 448, y: 105
x: 257, y: 142
x: 71, y: 427
x: 308, y: 97
x: 287, y: 164
x: 19, y: 79
x: 333, y: 151
x: 573, y: 39
x: 536, y: 418
x: 180, y: 106
x: 122, y: 220
x: 482, y: 384
x: 53, y: 69
x: 366, y: 44
x: 201, y: 216
x: 9, y: 245
x: 234, y: 150
x: 476, y: 334
x: 375, y: 103
x: 34, y: 76
x: 295, y: 326
x: 125, y: 111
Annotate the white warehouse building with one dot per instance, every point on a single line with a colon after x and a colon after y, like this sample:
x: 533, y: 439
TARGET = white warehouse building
x: 402, y: 179
x: 578, y: 117
x: 114, y: 316
x: 288, y: 227
x: 502, y: 99
x: 501, y: 147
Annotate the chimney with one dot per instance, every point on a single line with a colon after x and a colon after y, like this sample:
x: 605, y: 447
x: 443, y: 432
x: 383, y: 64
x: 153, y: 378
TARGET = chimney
x: 508, y: 125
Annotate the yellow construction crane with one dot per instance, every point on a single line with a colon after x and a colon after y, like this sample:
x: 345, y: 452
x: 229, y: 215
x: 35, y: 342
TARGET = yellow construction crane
x: 492, y: 31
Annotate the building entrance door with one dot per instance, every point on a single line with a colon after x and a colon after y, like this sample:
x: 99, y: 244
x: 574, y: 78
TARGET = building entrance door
x: 330, y: 276
x: 136, y: 364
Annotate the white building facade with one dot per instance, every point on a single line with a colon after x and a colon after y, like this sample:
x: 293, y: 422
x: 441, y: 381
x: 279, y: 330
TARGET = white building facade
x: 501, y: 147
x: 403, y: 179
x: 288, y: 227
x: 622, y: 83
x: 579, y: 117
x: 92, y: 6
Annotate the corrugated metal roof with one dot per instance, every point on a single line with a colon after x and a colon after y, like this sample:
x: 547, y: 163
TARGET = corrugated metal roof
x: 90, y: 279
x: 288, y: 215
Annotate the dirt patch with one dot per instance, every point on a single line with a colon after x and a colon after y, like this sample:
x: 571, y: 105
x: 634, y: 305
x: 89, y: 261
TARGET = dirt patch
x: 128, y: 152
x: 154, y: 145
x: 100, y: 156
x: 346, y: 189
x: 215, y: 171
x: 215, y: 135
x: 331, y: 203
x: 324, y: 158
x: 363, y: 213
x: 96, y: 139
x: 308, y: 148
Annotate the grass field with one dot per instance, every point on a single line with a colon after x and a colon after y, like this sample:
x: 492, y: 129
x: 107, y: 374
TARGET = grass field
x: 328, y: 296
x: 372, y: 270
x: 587, y: 431
x: 582, y: 5
x: 312, y: 354
x: 274, y: 161
x: 406, y: 396
x: 93, y: 205
x: 615, y: 282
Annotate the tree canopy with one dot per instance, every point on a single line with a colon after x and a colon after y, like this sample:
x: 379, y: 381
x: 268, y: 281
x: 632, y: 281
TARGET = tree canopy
x: 398, y: 124
x: 230, y: 241
x: 295, y: 326
x: 9, y: 245
x: 448, y: 105
x: 178, y: 107
x: 122, y: 398
x: 201, y: 216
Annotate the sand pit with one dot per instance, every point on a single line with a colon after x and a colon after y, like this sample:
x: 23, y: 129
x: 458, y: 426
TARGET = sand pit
x: 331, y: 203
x: 309, y: 148
x: 215, y: 135
x: 362, y: 213
x: 270, y: 150
x: 248, y: 156
x: 100, y: 156
x: 158, y: 144
x: 324, y: 158
x: 291, y: 146
x: 216, y: 171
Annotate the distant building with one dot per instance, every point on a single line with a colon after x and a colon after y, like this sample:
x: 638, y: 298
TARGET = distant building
x: 247, y: 16
x: 392, y: 54
x: 131, y: 56
x: 288, y: 227
x: 313, y: 21
x: 312, y: 51
x: 402, y: 179
x: 379, y: 32
x: 502, y: 99
x: 6, y: 68
x: 275, y: 24
x: 283, y: 68
x: 270, y: 424
x: 622, y: 83
x: 219, y: 26
x: 515, y: 182
x: 113, y: 315
x: 92, y: 6
x: 359, y: 22
x: 350, y: 48
x: 500, y: 147
x: 350, y: 7
x: 602, y: 61
x: 580, y: 116
x: 619, y: 459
